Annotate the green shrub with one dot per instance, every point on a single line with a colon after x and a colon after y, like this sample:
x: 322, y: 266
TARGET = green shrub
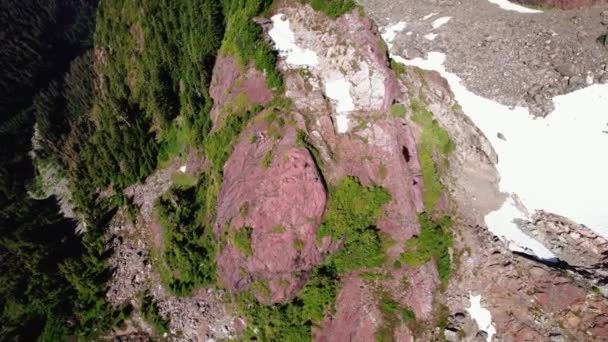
x: 398, y: 68
x: 398, y: 110
x: 603, y: 39
x: 302, y: 141
x: 266, y: 160
x: 433, y: 242
x: 241, y: 239
x: 408, y: 314
x: 352, y: 208
x: 298, y: 245
x: 150, y: 312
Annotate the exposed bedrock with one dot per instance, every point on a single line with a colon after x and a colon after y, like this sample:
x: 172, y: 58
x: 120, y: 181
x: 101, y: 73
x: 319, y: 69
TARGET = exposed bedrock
x: 282, y: 204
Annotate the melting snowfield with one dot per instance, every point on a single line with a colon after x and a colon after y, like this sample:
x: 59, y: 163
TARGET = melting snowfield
x: 481, y: 315
x: 509, y: 6
x: 339, y: 91
x: 285, y: 42
x: 555, y: 164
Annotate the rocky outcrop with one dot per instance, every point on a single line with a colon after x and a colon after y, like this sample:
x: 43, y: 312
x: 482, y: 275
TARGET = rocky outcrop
x: 584, y: 253
x: 282, y: 201
x: 230, y: 80
x: 202, y: 316
x: 570, y: 241
x: 377, y: 147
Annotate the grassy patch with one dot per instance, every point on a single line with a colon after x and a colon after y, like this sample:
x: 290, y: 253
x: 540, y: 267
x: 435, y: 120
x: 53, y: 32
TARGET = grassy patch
x: 398, y: 110
x: 434, y: 140
x: 183, y: 180
x: 241, y: 239
x: 298, y: 245
x: 389, y: 309
x: 219, y: 144
x: 302, y: 141
x: 260, y: 287
x: 173, y: 143
x: 408, y: 315
x: 266, y: 160
x: 333, y: 8
x: 382, y: 171
x: 149, y: 311
x: 433, y: 242
x: 398, y: 68
x: 279, y: 229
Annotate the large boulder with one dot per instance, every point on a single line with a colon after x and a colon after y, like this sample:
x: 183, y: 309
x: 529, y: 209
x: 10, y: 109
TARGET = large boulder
x: 281, y: 200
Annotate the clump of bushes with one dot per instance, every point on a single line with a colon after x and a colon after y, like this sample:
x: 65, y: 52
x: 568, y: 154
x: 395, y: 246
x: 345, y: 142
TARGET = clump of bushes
x: 241, y: 239
x: 150, y: 312
x: 188, y: 256
x: 433, y: 242
x: 352, y: 208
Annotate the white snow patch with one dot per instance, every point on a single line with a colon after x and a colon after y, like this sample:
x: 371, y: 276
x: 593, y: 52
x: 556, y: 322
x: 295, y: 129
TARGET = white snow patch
x: 183, y: 168
x: 338, y: 89
x: 431, y: 36
x: 551, y: 164
x: 390, y: 32
x: 509, y: 6
x: 285, y: 42
x: 500, y: 223
x: 409, y: 33
x: 429, y: 15
x: 481, y: 315
x: 440, y: 22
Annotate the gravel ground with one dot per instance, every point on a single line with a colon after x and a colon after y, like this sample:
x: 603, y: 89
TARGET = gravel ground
x: 511, y: 57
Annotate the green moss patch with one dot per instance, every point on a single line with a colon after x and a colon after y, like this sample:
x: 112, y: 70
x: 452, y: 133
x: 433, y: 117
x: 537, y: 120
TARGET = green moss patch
x: 435, y: 142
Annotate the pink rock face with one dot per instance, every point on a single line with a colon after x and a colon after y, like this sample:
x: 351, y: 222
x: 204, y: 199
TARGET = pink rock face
x: 283, y: 204
x: 357, y: 316
x: 229, y: 81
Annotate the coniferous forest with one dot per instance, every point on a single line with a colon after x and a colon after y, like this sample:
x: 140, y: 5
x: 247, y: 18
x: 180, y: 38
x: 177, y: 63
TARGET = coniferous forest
x: 104, y: 93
